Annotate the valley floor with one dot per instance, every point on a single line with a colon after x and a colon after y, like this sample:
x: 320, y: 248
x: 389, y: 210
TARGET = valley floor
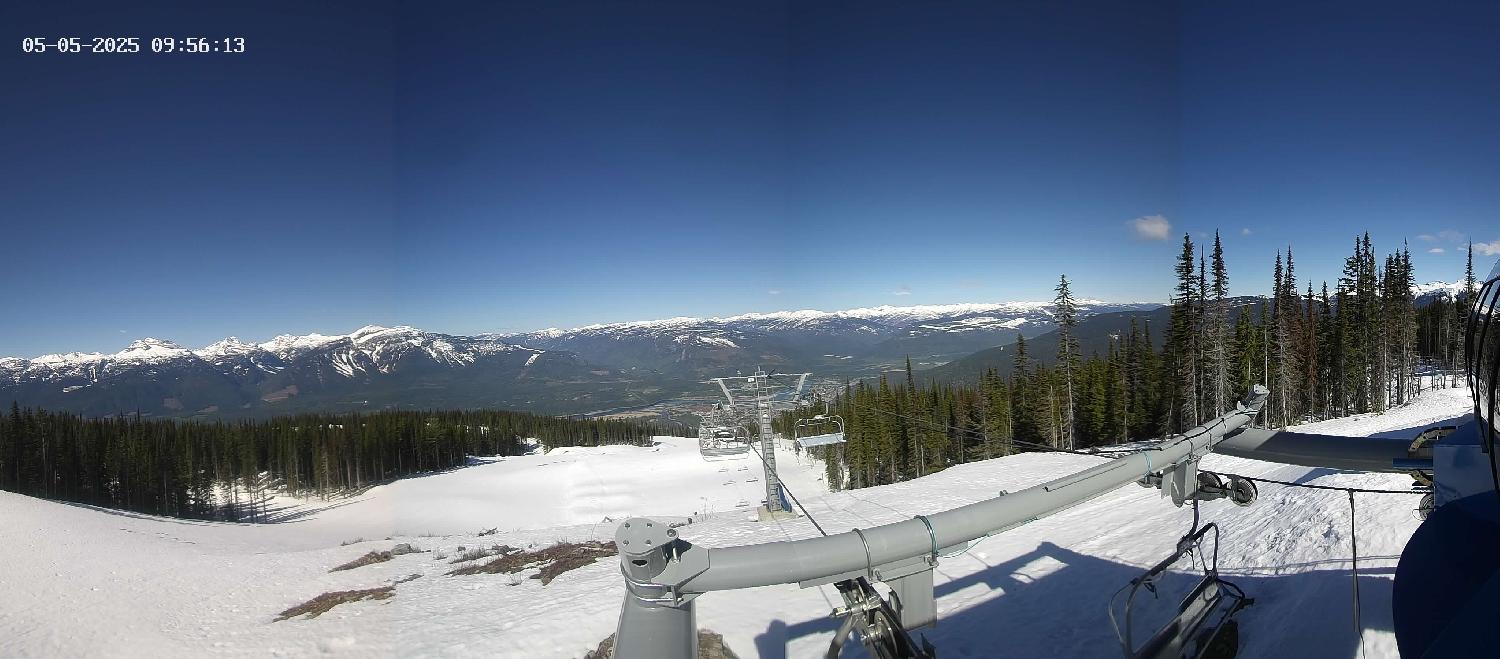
x: 82, y: 581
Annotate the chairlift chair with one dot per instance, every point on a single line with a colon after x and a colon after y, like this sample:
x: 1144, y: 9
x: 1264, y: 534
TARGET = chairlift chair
x: 722, y: 443
x: 1203, y: 626
x: 821, y: 430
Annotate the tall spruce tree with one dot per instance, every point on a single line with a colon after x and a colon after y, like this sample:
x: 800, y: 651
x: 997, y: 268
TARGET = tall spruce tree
x: 1219, y: 338
x: 1182, y: 352
x: 1065, y: 313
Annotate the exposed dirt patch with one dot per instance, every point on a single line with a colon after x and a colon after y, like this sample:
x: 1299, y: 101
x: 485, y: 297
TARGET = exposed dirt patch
x: 367, y: 559
x: 554, y: 560
x: 710, y: 646
x: 280, y: 394
x: 321, y: 604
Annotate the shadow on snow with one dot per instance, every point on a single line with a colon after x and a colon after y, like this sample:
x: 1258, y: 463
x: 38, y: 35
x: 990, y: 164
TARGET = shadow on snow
x: 1064, y: 613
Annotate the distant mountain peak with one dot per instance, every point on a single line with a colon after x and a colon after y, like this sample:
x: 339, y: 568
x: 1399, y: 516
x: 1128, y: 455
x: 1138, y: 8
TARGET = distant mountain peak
x: 882, y: 314
x: 227, y: 347
x: 151, y: 349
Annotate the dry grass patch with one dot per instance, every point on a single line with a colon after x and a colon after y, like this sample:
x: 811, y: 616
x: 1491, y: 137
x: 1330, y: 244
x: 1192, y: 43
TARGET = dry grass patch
x: 554, y: 560
x: 321, y: 604
x: 477, y: 553
x: 367, y: 559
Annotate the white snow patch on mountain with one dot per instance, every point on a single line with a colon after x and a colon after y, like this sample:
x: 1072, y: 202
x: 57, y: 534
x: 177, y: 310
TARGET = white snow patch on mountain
x: 288, y: 346
x: 1451, y: 290
x: 882, y: 315
x: 229, y: 347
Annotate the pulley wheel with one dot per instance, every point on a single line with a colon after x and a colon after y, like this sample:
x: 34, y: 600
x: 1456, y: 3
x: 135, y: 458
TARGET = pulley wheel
x: 1242, y: 491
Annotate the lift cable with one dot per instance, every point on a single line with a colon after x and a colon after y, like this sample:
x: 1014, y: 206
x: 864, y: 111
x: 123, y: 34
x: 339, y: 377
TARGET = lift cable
x: 789, y: 494
x: 1351, y: 490
x: 1353, y: 537
x: 900, y: 642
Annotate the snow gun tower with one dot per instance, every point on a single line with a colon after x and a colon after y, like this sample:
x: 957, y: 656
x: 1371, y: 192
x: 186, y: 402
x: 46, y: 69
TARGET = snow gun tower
x: 665, y: 574
x: 753, y: 401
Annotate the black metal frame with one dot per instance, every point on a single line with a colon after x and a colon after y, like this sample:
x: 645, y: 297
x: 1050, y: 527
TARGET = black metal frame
x: 1192, y: 635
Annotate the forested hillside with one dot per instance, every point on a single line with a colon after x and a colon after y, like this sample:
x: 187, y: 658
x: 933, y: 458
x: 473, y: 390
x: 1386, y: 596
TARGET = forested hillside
x: 1323, y: 352
x: 224, y: 470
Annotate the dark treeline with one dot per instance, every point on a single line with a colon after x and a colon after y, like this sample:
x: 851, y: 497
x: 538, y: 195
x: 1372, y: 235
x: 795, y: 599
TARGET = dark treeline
x: 225, y: 470
x: 1323, y: 353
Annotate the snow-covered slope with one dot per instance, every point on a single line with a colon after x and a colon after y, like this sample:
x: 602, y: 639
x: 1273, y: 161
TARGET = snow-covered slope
x: 85, y: 582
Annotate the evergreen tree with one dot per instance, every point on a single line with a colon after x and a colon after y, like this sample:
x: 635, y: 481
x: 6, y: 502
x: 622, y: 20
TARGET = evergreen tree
x: 1218, y: 352
x: 1065, y: 312
x: 1181, y: 342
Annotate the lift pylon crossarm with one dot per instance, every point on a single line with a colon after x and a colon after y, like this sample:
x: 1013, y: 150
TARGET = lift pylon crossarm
x: 689, y: 569
x: 1381, y: 454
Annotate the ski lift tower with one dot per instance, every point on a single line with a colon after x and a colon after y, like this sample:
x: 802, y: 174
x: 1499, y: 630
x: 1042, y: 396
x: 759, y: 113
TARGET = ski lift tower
x: 757, y: 398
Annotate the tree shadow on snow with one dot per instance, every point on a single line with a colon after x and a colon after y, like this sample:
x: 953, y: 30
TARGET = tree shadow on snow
x: 272, y: 514
x: 1063, y: 610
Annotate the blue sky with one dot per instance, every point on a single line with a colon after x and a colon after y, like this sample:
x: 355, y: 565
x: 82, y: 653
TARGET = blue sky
x: 517, y: 165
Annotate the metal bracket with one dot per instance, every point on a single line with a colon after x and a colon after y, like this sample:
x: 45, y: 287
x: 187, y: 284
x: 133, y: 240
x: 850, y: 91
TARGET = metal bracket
x: 655, y: 562
x: 1205, y: 486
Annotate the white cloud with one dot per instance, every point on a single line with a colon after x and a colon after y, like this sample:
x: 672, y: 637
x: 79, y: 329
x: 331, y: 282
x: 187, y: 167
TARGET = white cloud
x: 773, y: 292
x: 1435, y: 250
x: 1150, y: 227
x: 1451, y: 236
x: 902, y: 290
x: 1426, y: 237
x: 1488, y: 249
x: 1245, y: 231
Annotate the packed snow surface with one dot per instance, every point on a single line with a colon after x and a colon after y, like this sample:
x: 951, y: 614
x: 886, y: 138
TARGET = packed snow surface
x: 79, y: 581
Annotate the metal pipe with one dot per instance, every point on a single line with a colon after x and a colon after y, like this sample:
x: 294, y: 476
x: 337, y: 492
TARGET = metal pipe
x: 1330, y: 451
x: 772, y: 563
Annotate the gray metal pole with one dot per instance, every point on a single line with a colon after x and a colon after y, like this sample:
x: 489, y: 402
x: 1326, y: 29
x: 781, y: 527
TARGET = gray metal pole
x: 654, y: 621
x: 1331, y: 451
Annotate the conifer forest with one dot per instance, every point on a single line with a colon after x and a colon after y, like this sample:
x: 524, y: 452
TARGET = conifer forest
x: 225, y: 470
x: 1357, y: 345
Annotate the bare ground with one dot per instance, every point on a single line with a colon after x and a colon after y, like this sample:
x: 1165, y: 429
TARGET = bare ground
x: 367, y: 559
x: 321, y: 604
x: 553, y: 560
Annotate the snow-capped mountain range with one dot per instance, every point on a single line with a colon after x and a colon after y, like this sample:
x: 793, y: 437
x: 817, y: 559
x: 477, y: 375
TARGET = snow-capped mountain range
x: 1433, y: 290
x: 368, y: 349
x: 576, y: 370
x: 808, y: 338
x: 370, y: 366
